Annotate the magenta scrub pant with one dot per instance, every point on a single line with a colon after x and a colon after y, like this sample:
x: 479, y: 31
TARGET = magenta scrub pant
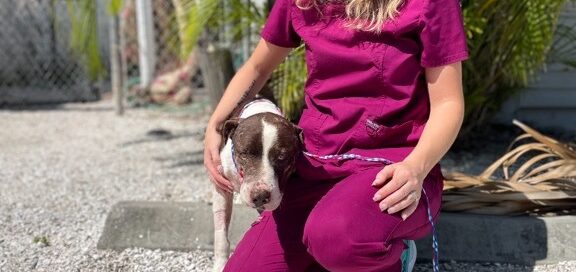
x: 334, y: 225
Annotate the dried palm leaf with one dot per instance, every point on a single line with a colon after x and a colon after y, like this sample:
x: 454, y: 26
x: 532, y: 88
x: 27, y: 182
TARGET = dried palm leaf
x: 544, y: 182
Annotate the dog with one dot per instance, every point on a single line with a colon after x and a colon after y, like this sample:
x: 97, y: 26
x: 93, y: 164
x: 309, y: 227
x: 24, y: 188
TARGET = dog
x: 258, y: 156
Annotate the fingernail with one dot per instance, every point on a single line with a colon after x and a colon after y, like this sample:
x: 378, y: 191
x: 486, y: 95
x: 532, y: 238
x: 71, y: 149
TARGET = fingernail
x: 404, y: 217
x: 373, y: 182
x: 383, y: 207
x: 376, y: 197
x: 391, y: 211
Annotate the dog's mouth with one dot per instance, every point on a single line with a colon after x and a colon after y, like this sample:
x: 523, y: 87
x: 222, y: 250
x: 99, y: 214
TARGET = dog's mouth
x: 267, y: 207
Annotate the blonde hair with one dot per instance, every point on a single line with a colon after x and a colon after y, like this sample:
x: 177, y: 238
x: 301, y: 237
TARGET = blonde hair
x: 366, y: 15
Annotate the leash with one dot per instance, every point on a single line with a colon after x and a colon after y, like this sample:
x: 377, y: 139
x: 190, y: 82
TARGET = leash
x: 435, y: 246
x: 344, y: 157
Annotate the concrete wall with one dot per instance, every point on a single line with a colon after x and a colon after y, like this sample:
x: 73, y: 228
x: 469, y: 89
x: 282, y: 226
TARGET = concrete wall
x: 550, y: 102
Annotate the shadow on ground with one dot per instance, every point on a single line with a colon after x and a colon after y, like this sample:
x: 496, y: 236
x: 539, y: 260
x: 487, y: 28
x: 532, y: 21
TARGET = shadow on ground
x: 182, y: 159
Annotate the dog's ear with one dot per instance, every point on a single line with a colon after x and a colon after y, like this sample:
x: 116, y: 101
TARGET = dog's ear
x: 229, y: 127
x: 300, y: 133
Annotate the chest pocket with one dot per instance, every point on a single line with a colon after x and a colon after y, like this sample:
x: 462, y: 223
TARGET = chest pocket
x: 370, y: 134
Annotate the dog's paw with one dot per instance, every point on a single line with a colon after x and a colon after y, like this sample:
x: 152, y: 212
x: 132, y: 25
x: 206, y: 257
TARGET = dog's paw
x: 219, y: 265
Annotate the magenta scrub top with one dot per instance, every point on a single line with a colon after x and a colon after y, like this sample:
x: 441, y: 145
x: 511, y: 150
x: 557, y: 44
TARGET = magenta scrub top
x: 366, y: 93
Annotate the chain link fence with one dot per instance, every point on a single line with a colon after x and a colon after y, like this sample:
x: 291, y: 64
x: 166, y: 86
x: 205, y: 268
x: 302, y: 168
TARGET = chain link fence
x: 37, y: 64
x: 176, y: 78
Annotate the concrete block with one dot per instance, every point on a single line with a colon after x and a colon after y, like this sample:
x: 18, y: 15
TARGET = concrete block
x: 508, y: 239
x: 186, y: 226
x: 181, y: 226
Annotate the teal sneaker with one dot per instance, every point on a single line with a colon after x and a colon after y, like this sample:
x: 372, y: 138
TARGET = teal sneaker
x: 408, y: 256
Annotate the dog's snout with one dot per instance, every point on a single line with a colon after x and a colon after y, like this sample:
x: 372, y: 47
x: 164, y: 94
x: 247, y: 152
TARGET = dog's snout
x: 260, y: 198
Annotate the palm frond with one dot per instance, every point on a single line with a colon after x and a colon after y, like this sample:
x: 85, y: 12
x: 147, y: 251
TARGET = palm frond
x: 508, y: 42
x: 563, y: 49
x: 192, y: 17
x: 544, y: 182
x: 288, y: 82
x: 84, y: 35
x: 115, y: 6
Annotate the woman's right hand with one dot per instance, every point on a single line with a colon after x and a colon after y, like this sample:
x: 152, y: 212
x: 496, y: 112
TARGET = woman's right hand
x: 212, y: 141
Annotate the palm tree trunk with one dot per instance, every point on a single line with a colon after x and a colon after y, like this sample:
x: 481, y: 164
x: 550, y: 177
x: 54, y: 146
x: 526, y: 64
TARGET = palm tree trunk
x: 217, y: 69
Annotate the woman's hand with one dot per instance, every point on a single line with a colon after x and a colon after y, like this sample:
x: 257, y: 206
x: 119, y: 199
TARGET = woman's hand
x: 212, y: 141
x: 402, y: 191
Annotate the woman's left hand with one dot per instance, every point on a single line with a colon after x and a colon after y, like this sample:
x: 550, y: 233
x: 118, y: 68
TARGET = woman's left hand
x: 403, y: 190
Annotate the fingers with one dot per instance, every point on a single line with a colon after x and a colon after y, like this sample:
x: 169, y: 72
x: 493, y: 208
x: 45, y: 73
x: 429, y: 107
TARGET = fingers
x: 214, y: 167
x: 397, y: 181
x: 411, y: 198
x: 384, y: 175
x: 401, y: 193
x: 410, y: 210
x: 223, y: 192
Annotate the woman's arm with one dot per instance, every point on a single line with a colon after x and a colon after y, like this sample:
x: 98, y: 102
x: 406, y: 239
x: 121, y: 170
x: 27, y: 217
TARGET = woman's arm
x: 403, y: 190
x: 245, y: 84
x: 249, y: 79
x: 446, y: 116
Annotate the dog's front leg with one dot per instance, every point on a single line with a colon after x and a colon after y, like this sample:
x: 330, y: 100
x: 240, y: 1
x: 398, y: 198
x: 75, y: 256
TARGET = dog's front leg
x: 222, y: 210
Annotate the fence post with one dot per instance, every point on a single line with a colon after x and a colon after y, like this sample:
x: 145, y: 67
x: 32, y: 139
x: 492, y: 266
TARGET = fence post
x: 116, y: 67
x: 146, y: 45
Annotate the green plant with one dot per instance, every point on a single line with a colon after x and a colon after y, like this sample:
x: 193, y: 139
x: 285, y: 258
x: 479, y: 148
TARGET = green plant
x: 84, y: 32
x: 288, y: 83
x: 43, y: 240
x: 508, y: 43
x: 198, y: 16
x: 563, y: 49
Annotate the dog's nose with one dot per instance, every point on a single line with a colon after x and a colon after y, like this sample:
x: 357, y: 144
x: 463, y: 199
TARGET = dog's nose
x: 261, y: 197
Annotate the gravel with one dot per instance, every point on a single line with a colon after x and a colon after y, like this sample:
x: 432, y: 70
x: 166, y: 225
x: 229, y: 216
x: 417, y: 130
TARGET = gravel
x: 63, y: 167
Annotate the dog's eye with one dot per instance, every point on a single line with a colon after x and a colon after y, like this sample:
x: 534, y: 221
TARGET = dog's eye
x: 281, y: 156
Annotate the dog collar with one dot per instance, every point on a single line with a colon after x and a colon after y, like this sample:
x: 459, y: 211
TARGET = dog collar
x: 264, y: 105
x: 238, y: 170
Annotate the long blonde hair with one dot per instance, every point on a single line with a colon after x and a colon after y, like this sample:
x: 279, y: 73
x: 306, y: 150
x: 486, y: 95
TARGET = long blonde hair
x: 367, y: 15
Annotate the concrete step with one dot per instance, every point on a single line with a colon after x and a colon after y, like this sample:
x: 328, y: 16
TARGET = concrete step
x: 524, y: 240
x: 186, y: 226
x: 180, y: 226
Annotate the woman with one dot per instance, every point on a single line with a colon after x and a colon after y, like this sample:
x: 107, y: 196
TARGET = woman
x: 384, y: 82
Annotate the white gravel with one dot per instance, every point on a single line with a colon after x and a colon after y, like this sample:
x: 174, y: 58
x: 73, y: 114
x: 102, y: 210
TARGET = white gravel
x: 62, y: 169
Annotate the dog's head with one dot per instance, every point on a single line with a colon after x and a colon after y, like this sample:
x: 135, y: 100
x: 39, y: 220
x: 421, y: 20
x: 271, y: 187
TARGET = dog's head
x: 265, y: 147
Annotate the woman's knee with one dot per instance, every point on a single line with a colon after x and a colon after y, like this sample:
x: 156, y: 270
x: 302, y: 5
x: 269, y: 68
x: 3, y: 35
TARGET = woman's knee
x: 327, y: 242
x: 332, y: 245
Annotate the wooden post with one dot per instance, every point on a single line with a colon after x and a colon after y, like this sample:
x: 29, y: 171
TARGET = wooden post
x: 116, y: 67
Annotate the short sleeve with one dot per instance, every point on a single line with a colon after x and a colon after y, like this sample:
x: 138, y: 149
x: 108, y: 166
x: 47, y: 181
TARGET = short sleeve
x: 442, y: 37
x: 278, y: 29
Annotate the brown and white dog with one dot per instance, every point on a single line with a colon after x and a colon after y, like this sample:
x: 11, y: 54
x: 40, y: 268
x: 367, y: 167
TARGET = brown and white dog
x: 258, y: 157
